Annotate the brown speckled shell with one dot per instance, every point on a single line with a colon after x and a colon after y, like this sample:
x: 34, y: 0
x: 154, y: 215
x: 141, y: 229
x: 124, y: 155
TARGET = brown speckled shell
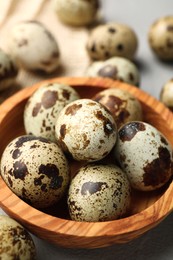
x: 99, y: 193
x: 123, y: 105
x: 75, y: 12
x: 112, y: 39
x: 44, y: 106
x: 145, y: 155
x: 35, y: 169
x: 15, y: 241
x: 160, y: 37
x: 86, y: 130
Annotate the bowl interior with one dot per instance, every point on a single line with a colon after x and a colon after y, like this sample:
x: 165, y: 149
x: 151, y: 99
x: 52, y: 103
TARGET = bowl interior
x: 11, y: 126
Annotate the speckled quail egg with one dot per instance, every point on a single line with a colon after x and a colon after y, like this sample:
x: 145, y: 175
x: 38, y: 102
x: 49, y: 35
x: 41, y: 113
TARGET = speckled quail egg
x: 33, y: 47
x: 43, y: 107
x: 86, y: 130
x: 160, y: 37
x: 112, y: 39
x: 8, y: 71
x: 99, y: 193
x: 123, y: 105
x: 116, y: 68
x: 166, y: 94
x: 144, y: 154
x: 15, y: 241
x: 35, y: 169
x: 76, y: 12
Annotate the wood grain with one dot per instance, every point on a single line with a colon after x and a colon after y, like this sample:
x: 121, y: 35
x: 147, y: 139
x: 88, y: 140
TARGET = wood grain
x: 148, y: 209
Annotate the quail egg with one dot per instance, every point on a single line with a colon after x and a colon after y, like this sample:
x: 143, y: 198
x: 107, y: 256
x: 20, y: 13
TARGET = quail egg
x: 99, y: 193
x: 112, y: 39
x: 123, y: 105
x: 44, y: 106
x: 160, y: 37
x: 15, y: 241
x: 33, y: 47
x: 166, y: 94
x: 116, y: 68
x: 35, y: 169
x: 86, y: 130
x: 76, y: 12
x: 144, y: 154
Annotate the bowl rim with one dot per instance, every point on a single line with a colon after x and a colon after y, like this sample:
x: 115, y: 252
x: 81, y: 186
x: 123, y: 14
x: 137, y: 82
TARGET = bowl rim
x: 137, y: 223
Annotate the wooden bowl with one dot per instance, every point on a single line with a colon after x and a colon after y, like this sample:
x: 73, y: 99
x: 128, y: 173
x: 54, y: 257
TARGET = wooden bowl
x: 149, y: 208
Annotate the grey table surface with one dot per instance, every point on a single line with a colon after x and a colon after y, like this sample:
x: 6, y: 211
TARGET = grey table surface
x: 158, y: 242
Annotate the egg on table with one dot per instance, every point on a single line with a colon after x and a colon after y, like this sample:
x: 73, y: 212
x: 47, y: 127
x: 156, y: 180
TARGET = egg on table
x: 122, y: 104
x: 35, y: 169
x: 86, y: 130
x: 112, y: 39
x: 76, y: 12
x: 43, y: 107
x: 117, y: 68
x: 15, y: 241
x: 33, y: 47
x: 160, y: 37
x: 166, y: 94
x: 144, y: 154
x: 99, y: 193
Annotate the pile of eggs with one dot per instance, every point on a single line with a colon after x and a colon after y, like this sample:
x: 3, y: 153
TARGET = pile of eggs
x: 102, y: 136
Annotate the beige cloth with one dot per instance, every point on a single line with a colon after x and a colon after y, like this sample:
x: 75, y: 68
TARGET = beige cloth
x: 71, y: 40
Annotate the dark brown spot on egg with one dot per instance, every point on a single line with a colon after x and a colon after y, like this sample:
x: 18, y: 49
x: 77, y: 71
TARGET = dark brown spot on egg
x: 118, y: 191
x: 117, y: 107
x: 128, y: 131
x: 131, y: 77
x: 72, y: 109
x: 109, y: 127
x: 27, y: 138
x: 36, y: 109
x: 63, y: 131
x: 10, y: 182
x: 49, y: 99
x: 92, y: 187
x: 52, y: 172
x: 169, y: 28
x: 16, y: 153
x: 122, y: 157
x: 19, y: 170
x: 93, y: 48
x: 109, y: 71
x: 163, y: 140
x: 66, y: 94
x: 22, y: 42
x: 74, y: 209
x: 46, y: 62
x: 55, y: 55
x: 107, y: 54
x: 85, y: 141
x: 120, y: 47
x: 38, y: 181
x: 169, y: 43
x: 111, y: 30
x: 158, y: 171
